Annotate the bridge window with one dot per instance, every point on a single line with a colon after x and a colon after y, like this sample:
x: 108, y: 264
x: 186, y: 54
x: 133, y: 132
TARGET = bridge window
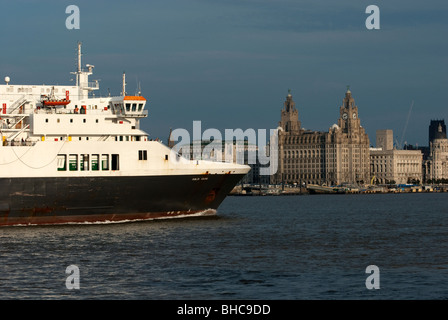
x: 73, y: 162
x: 142, y: 155
x: 115, y: 162
x: 95, y: 162
x: 84, y: 162
x: 62, y: 162
x: 105, y: 162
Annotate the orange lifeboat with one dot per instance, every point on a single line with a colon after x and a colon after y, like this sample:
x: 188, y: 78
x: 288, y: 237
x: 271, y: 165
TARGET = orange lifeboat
x: 52, y: 103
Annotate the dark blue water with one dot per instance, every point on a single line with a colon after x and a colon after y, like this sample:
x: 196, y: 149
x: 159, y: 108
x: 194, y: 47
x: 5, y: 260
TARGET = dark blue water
x: 273, y: 247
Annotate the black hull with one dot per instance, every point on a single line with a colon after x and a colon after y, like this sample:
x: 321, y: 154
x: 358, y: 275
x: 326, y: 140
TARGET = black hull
x: 27, y: 201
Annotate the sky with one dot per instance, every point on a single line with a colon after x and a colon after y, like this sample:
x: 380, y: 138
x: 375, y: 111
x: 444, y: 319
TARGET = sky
x: 230, y: 63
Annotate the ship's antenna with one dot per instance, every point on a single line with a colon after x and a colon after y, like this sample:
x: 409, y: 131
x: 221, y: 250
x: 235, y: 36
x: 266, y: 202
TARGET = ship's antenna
x: 139, y: 89
x: 124, y: 83
x: 79, y: 56
x: 79, y: 63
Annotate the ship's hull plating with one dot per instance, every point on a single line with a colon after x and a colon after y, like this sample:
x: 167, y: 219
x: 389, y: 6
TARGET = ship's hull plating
x: 25, y: 201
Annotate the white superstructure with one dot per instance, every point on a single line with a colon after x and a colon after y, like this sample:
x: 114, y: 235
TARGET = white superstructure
x: 62, y: 130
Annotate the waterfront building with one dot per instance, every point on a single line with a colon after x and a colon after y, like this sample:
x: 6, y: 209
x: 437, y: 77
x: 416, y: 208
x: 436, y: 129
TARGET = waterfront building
x: 339, y: 155
x: 385, y: 139
x: 436, y: 167
x: 389, y: 165
x: 437, y: 130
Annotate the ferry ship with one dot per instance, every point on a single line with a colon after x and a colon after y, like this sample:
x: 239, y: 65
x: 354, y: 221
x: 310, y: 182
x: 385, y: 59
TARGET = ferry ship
x: 67, y: 156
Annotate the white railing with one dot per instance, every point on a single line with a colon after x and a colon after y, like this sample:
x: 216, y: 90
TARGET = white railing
x: 90, y: 85
x: 17, y: 104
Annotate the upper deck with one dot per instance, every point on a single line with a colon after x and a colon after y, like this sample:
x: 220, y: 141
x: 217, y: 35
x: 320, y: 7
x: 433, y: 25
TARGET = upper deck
x: 28, y: 112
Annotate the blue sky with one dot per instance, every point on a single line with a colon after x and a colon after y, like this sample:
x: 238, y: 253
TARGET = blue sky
x: 230, y: 63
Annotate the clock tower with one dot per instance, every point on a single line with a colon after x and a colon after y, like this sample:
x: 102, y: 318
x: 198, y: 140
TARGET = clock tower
x: 348, y: 119
x: 290, y: 116
x: 349, y: 146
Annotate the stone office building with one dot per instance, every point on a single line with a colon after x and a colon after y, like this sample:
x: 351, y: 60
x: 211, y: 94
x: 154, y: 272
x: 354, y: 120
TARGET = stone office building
x: 389, y: 165
x: 339, y: 155
x: 436, y: 166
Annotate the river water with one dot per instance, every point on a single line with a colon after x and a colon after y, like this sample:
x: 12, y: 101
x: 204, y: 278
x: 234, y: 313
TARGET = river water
x: 256, y: 247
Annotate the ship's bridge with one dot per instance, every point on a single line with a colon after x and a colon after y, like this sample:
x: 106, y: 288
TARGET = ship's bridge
x: 129, y: 106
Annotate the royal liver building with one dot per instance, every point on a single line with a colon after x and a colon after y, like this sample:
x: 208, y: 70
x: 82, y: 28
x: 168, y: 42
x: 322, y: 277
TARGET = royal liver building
x: 338, y: 156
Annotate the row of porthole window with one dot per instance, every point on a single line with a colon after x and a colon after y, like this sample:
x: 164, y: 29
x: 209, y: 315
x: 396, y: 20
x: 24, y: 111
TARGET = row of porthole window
x: 58, y: 120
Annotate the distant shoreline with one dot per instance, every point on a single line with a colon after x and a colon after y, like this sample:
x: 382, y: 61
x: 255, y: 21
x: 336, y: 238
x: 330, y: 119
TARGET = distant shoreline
x: 289, y: 191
